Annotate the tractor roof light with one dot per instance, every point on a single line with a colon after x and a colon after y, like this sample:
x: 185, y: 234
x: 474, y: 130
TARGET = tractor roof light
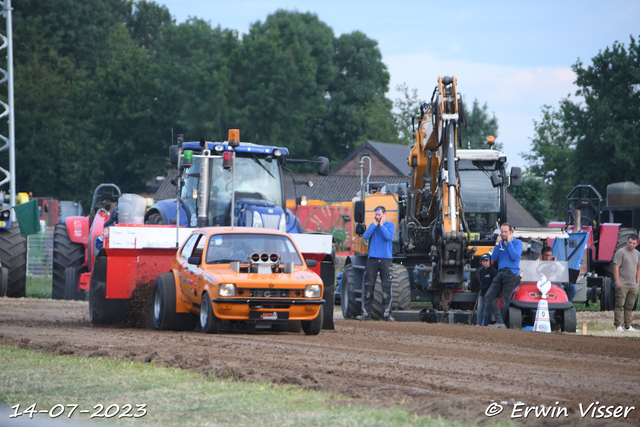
x: 277, y: 152
x: 227, y: 159
x: 234, y: 137
x: 218, y: 148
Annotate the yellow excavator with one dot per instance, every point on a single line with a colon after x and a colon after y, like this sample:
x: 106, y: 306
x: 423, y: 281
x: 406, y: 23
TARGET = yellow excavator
x: 434, y: 245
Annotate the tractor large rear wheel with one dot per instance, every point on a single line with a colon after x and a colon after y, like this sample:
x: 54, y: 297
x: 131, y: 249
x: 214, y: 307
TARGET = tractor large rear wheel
x: 103, y: 311
x: 66, y: 254
x: 13, y: 256
x: 607, y: 295
x: 400, y: 291
x: 350, y: 307
x: 155, y: 219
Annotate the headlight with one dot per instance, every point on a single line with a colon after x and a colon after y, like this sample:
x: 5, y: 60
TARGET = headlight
x: 257, y: 219
x: 277, y: 152
x: 282, y: 226
x: 227, y: 290
x: 312, y: 291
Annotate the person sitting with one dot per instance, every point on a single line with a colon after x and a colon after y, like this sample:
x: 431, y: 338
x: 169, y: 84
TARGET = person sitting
x: 570, y: 288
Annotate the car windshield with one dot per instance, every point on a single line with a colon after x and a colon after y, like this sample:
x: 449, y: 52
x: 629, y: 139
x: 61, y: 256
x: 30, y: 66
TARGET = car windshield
x: 255, y: 178
x: 225, y: 248
x: 131, y: 209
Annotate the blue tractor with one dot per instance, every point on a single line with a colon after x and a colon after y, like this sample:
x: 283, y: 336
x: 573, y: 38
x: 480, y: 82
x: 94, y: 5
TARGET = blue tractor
x: 229, y: 183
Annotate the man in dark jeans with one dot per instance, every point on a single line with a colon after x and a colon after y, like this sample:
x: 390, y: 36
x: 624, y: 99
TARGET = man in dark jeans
x: 506, y: 254
x: 380, y: 233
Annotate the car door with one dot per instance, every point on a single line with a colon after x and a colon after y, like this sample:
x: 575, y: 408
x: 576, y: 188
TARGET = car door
x: 188, y: 274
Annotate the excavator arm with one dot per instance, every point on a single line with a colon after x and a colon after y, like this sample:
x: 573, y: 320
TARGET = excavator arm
x: 435, y: 210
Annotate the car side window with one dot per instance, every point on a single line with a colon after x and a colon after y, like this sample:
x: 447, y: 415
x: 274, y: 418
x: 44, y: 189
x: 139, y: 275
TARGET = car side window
x: 187, y: 249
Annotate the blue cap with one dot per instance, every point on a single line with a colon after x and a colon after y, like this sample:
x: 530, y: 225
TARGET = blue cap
x: 485, y: 257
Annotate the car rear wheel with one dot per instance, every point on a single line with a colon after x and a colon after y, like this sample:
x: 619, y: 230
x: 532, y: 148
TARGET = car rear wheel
x: 209, y: 323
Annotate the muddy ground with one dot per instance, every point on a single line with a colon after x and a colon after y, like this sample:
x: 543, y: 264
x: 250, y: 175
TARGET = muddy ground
x: 453, y: 371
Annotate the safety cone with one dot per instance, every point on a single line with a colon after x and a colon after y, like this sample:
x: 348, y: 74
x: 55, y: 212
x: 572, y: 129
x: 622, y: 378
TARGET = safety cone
x: 542, y: 323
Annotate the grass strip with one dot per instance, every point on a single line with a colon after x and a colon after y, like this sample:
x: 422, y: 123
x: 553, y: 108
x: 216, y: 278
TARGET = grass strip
x: 176, y: 397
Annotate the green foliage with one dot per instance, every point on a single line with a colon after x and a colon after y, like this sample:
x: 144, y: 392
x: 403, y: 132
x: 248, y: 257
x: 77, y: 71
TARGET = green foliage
x: 101, y: 85
x: 595, y: 143
x: 551, y: 159
x: 533, y: 195
x: 479, y: 127
x: 607, y: 128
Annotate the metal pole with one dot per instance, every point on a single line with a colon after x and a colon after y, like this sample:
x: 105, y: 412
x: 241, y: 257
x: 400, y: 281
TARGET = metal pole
x: 12, y: 135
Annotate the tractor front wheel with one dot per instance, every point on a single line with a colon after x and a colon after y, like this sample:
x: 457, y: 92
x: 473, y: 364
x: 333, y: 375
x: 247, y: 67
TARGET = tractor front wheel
x: 66, y: 254
x: 350, y: 307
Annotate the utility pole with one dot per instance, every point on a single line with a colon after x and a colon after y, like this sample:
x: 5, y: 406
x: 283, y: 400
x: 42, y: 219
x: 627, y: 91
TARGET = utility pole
x: 10, y: 143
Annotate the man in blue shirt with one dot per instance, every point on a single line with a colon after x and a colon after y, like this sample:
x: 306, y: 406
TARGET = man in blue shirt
x: 380, y: 259
x: 506, y: 254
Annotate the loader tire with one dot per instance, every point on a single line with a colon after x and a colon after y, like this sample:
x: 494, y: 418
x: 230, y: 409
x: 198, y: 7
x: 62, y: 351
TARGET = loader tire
x: 350, y: 307
x: 103, y: 311
x: 13, y: 255
x: 569, y: 321
x: 66, y: 254
x: 313, y: 327
x: 400, y: 291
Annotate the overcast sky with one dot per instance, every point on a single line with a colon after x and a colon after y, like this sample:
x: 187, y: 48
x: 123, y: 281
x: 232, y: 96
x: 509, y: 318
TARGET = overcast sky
x: 514, y: 56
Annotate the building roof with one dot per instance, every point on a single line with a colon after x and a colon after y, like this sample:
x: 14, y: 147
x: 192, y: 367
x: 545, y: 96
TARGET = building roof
x: 332, y: 188
x: 393, y: 155
x: 517, y: 215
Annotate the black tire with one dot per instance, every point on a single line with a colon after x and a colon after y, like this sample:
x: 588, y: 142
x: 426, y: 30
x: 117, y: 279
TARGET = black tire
x: 155, y: 218
x: 66, y: 254
x: 163, y: 302
x: 350, y: 307
x: 313, y: 327
x: 103, y: 311
x: 569, y: 320
x: 400, y: 291
x: 515, y: 318
x: 209, y: 323
x: 4, y: 280
x: 13, y: 255
x: 607, y: 295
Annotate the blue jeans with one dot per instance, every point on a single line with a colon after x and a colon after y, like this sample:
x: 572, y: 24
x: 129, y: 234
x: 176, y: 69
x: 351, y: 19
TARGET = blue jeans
x: 503, y: 284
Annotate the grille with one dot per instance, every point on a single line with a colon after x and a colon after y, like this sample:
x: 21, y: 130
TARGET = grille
x: 270, y: 293
x: 271, y: 221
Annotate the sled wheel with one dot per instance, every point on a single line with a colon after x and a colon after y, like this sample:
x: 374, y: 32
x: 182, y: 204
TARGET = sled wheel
x: 103, y: 311
x: 515, y: 318
x: 209, y: 323
x: 312, y: 327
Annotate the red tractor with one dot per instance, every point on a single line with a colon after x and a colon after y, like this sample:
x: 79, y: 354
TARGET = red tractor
x: 74, y: 245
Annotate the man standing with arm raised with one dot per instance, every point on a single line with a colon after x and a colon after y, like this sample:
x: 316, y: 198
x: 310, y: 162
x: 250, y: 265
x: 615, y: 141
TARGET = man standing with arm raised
x: 506, y: 254
x: 380, y: 233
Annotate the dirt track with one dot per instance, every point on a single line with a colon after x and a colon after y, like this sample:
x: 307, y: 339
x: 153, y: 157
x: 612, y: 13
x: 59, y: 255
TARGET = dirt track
x: 432, y: 369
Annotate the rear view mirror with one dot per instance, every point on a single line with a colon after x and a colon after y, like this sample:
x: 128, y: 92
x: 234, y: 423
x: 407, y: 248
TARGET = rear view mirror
x: 516, y: 176
x: 496, y: 179
x: 311, y: 262
x: 173, y: 154
x: 323, y: 166
x: 358, y: 211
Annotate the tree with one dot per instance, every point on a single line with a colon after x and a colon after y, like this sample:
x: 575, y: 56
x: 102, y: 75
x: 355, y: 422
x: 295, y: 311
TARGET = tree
x: 479, y: 127
x: 606, y: 130
x: 551, y: 159
x: 407, y: 108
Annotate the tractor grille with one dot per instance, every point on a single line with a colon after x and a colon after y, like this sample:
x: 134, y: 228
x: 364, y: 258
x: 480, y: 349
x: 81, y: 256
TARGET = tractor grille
x: 271, y: 221
x: 270, y: 293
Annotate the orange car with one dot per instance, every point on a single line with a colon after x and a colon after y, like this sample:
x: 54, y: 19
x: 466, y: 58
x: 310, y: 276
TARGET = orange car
x: 253, y: 275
